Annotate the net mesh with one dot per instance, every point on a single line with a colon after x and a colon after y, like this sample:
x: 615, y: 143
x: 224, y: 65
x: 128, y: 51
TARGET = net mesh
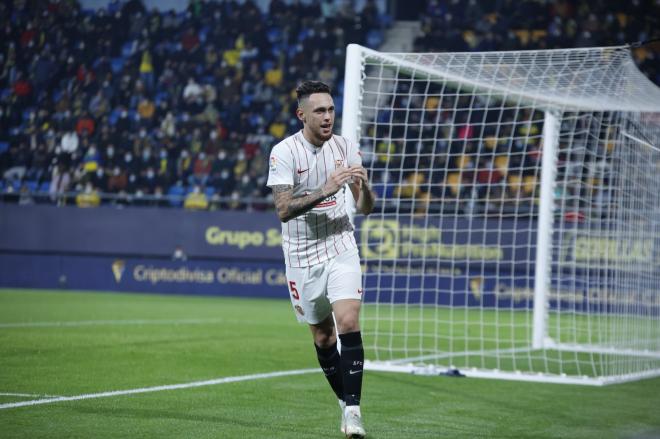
x: 454, y: 146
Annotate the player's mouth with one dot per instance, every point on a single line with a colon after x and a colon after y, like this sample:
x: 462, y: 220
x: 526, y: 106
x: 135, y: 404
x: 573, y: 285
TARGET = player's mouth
x: 326, y: 128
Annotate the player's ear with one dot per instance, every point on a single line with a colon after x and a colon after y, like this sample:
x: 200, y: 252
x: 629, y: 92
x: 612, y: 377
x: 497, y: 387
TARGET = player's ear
x: 300, y: 115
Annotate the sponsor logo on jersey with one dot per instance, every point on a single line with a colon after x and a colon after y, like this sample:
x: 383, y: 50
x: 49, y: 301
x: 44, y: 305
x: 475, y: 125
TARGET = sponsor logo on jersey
x: 273, y: 163
x: 300, y: 171
x: 339, y: 163
x: 327, y: 202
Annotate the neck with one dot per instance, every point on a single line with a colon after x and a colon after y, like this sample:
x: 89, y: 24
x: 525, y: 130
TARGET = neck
x: 311, y: 139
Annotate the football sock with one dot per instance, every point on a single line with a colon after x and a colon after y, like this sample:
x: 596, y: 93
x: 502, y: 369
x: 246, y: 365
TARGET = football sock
x: 352, y: 364
x: 330, y: 363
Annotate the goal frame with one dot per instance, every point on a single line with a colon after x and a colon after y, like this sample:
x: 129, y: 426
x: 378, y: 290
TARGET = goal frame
x: 351, y: 129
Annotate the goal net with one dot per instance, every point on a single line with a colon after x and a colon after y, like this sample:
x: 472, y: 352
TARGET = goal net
x: 517, y: 232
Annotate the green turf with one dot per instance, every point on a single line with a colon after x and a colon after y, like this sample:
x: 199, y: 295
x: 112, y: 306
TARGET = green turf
x: 230, y: 337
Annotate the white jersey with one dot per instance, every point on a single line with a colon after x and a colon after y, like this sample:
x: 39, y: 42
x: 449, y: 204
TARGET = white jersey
x: 324, y: 231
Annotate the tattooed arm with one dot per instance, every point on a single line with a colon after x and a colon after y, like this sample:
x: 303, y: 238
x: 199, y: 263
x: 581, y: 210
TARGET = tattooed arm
x: 289, y: 207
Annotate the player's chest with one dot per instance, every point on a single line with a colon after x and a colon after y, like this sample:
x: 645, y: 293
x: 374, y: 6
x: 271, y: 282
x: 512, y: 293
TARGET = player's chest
x: 313, y: 170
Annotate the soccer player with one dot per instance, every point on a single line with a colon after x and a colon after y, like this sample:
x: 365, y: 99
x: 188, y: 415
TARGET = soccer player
x: 309, y: 174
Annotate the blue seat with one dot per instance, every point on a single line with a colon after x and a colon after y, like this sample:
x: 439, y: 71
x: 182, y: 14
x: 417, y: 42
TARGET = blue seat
x: 128, y: 49
x: 32, y: 186
x: 175, y: 195
x: 117, y: 64
x: 45, y: 186
x: 4, y: 146
x: 274, y: 34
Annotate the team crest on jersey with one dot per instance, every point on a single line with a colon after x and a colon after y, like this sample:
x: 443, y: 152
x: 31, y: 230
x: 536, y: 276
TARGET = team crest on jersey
x: 339, y: 163
x: 273, y: 163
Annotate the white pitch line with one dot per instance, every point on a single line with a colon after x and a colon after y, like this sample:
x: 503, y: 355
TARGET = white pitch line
x: 75, y: 323
x: 29, y: 395
x: 235, y: 379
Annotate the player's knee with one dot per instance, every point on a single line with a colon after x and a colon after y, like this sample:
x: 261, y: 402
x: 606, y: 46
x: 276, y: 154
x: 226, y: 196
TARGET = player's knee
x: 348, y: 323
x: 324, y: 339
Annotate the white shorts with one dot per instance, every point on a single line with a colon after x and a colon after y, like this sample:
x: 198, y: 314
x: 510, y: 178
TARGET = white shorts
x: 314, y: 289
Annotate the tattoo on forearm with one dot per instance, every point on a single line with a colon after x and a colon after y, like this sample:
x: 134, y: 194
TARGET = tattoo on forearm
x: 289, y: 207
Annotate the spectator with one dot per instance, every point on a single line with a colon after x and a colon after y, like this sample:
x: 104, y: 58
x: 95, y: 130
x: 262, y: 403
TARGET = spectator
x: 59, y: 184
x: 196, y: 200
x: 89, y: 197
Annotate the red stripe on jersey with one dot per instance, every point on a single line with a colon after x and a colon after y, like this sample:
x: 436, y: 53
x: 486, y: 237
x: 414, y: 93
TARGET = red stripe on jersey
x: 334, y: 231
x: 343, y: 153
x: 330, y: 203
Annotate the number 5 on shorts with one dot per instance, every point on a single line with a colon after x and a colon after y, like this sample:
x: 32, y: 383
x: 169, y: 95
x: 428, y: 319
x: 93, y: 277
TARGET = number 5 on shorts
x: 294, y: 291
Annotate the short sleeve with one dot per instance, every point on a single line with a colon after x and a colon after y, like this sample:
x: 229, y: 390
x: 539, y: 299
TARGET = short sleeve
x: 280, y: 169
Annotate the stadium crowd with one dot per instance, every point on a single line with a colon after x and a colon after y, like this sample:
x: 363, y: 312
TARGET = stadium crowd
x: 137, y: 105
x: 125, y: 105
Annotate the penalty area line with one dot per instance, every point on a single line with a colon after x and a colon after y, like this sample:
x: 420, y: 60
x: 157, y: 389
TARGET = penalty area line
x: 226, y: 380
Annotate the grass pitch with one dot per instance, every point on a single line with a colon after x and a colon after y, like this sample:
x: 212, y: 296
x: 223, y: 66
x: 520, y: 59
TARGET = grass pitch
x: 55, y: 343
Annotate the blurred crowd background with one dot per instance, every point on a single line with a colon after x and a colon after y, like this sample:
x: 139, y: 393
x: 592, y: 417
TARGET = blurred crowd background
x: 130, y: 106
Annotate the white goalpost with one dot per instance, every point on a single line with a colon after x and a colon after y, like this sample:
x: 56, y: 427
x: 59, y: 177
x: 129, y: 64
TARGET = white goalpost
x: 517, y: 232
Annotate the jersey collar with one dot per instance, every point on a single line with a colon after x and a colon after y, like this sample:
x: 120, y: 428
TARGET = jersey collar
x: 310, y: 146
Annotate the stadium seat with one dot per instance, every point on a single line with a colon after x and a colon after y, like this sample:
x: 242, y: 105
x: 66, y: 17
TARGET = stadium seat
x: 128, y: 49
x: 32, y: 186
x: 117, y: 64
x: 175, y: 195
x: 4, y: 146
x: 44, y: 187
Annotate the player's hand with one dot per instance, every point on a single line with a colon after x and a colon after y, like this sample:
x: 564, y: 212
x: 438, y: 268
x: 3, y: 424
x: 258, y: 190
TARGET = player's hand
x: 337, y: 180
x: 359, y: 175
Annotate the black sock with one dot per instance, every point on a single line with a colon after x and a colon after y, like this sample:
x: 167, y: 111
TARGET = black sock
x: 331, y: 365
x: 352, y: 364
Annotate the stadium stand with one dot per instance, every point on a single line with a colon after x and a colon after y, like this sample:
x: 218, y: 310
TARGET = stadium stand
x: 142, y: 106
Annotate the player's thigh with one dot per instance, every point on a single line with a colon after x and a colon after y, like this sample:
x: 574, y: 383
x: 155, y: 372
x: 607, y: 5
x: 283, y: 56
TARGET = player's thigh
x: 307, y: 291
x: 345, y: 277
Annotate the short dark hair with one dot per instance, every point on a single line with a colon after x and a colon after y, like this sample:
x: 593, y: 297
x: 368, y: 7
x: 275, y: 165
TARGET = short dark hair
x: 310, y: 87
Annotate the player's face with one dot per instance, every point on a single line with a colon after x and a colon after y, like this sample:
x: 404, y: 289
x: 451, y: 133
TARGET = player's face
x: 318, y: 116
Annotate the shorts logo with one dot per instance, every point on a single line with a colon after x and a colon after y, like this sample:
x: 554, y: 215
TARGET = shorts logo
x: 300, y: 310
x: 360, y: 290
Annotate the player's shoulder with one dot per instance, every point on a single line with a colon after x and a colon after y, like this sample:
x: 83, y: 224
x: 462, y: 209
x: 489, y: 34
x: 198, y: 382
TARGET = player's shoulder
x: 343, y: 142
x: 286, y: 145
